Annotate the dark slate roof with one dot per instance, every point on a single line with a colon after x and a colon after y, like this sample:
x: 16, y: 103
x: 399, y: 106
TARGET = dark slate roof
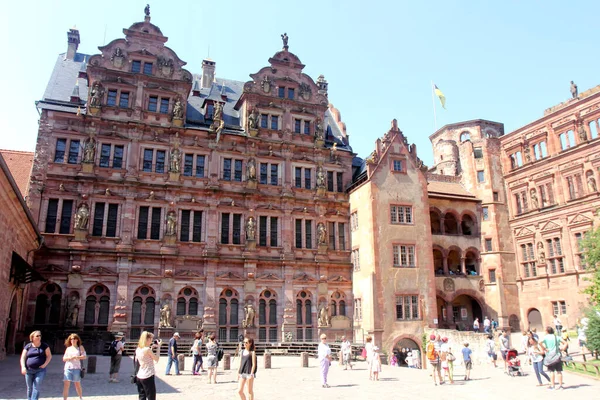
x: 61, y: 84
x: 231, y: 89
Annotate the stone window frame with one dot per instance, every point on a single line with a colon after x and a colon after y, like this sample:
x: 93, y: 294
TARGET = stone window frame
x: 159, y: 98
x: 403, y: 165
x: 338, y: 304
x: 481, y: 176
x: 154, y: 149
x: 112, y: 144
x: 270, y: 114
x: 230, y: 241
x: 546, y: 197
x: 555, y: 254
x: 358, y: 309
x: 397, y: 213
x: 398, y: 246
x: 313, y: 228
x: 65, y: 157
x: 485, y: 213
x: 229, y: 325
x: 120, y: 88
x: 490, y: 241
x: 203, y: 230
x: 269, y: 175
x: 569, y: 135
x: 414, y: 304
x: 339, y: 242
x: 516, y: 159
x: 97, y: 298
x: 195, y: 155
x: 559, y: 307
x: 304, y: 168
x: 151, y: 207
x: 353, y: 220
x: 144, y: 303
x: 305, y: 320
x: 492, y: 275
x: 526, y: 255
x: 232, y: 171
x: 269, y: 242
x: 59, y: 211
x: 186, y: 300
x: 574, y: 187
x: 537, y: 144
x: 334, y: 178
x: 520, y: 203
x: 305, y: 121
x: 355, y: 259
x: 269, y: 329
x: 107, y: 202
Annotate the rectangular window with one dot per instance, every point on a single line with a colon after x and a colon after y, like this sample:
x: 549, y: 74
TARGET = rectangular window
x: 97, y: 228
x: 297, y: 125
x: 478, y: 152
x: 160, y: 161
x: 124, y: 100
x: 184, y: 234
x: 342, y: 235
x: 136, y: 66
x: 488, y: 244
x: 401, y: 215
x: 210, y: 111
x: 263, y: 176
x: 358, y: 309
x: 164, y: 106
x: 308, y: 234
x: 73, y: 152
x: 59, y: 153
x: 307, y: 178
x: 397, y: 165
x: 188, y: 164
x: 492, y: 275
x: 143, y: 223
x: 356, y: 259
x: 354, y: 221
x: 274, y: 174
x: 291, y: 93
x: 407, y: 308
x: 105, y: 155
x: 330, y: 181
x: 148, y: 158
x: 298, y: 177
x: 200, y: 166
x: 274, y: 122
x: 307, y: 127
x: 51, y: 216
x: 225, y: 228
x: 65, y: 217
x: 332, y: 236
x: 298, y: 233
x: 579, y: 250
x: 262, y: 231
x: 191, y: 221
x: 559, y: 307
x: 111, y: 98
x: 106, y: 150
x: 153, y: 103
x: 340, y: 182
x: 486, y: 215
x: 155, y: 223
x: 281, y: 92
x: 148, y: 68
x: 237, y: 229
x: 264, y: 121
x: 274, y: 221
x: 496, y: 196
x: 237, y: 173
x: 227, y: 169
x: 480, y: 176
x: 118, y: 156
x: 111, y: 220
x: 404, y: 256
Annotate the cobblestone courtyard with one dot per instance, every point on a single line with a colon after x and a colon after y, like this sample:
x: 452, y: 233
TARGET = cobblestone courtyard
x: 286, y: 380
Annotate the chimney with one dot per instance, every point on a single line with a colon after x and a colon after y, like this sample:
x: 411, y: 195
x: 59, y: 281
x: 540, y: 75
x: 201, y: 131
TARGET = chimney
x: 322, y: 85
x: 73, y: 42
x: 208, y: 73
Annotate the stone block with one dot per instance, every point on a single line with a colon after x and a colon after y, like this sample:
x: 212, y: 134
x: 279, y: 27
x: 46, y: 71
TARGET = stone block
x: 226, y: 362
x: 304, y: 359
x: 91, y: 364
x: 181, y: 359
x: 267, y: 361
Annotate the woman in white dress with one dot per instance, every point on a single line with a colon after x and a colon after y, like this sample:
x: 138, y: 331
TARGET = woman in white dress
x: 369, y: 350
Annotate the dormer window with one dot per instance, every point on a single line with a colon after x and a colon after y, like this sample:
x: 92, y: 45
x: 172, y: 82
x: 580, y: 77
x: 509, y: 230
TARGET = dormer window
x: 210, y: 111
x: 147, y: 68
x: 136, y: 67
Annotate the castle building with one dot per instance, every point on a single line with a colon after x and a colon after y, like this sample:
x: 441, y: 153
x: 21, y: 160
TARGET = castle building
x: 173, y: 201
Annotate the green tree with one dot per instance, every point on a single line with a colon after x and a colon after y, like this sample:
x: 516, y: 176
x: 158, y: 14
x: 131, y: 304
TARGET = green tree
x: 593, y: 329
x: 591, y: 252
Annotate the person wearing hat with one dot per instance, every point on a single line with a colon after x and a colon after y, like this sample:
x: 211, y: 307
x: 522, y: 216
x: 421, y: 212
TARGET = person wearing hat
x: 172, y: 355
x: 324, y: 355
x: 116, y: 354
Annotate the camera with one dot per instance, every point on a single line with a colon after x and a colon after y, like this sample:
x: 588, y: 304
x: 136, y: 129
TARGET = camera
x: 156, y: 342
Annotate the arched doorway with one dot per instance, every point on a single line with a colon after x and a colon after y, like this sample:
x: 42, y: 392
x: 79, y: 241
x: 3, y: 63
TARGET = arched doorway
x: 464, y: 311
x: 513, y: 322
x: 402, y: 348
x: 534, y: 318
x: 11, y: 326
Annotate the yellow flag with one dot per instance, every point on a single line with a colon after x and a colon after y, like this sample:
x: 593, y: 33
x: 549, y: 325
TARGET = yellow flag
x: 440, y: 95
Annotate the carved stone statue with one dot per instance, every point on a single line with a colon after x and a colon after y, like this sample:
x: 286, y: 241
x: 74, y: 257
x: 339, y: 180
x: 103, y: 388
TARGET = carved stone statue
x: 218, y: 123
x: 581, y: 132
x: 96, y: 94
x: 266, y: 84
x: 321, y: 234
x: 527, y: 153
x: 72, y: 311
x: 534, y: 199
x: 251, y: 169
x: 541, y: 253
x: 82, y: 216
x: 250, y: 229
x: 333, y: 153
x: 253, y: 119
x: 89, y: 150
x: 178, y: 110
x: 591, y: 184
x: 285, y: 38
x: 218, y: 113
x: 324, y: 316
x: 320, y: 177
x: 174, y: 160
x: 171, y: 223
x: 249, y: 317
x: 574, y: 91
x: 147, y: 10
x: 165, y: 317
x: 319, y: 130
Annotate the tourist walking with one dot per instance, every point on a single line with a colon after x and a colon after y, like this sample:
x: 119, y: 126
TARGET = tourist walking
x: 74, y: 353
x: 504, y: 347
x: 582, y: 338
x: 447, y: 359
x: 536, y: 354
x: 116, y: 355
x: 557, y: 325
x: 490, y: 346
x: 476, y: 325
x: 487, y: 325
x: 552, y: 346
x: 433, y: 356
x: 34, y: 359
x: 376, y: 363
x: 346, y: 350
x: 197, y: 353
x: 369, y: 351
x: 172, y: 355
x: 494, y: 325
x: 248, y: 367
x: 146, y: 355
x: 466, y: 353
x: 211, y: 358
x: 324, y: 355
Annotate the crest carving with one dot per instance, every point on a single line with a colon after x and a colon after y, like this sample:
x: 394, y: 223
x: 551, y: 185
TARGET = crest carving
x: 266, y: 84
x: 305, y: 91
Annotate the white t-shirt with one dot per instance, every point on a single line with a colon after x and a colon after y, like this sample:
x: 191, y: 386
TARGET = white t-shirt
x: 144, y: 357
x: 369, y: 349
x: 197, y: 346
x: 346, y: 347
x: 486, y: 323
x: 119, y: 347
x: 73, y: 352
x: 324, y: 351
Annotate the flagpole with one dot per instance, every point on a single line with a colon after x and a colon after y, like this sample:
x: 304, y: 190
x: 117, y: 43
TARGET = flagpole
x: 433, y: 101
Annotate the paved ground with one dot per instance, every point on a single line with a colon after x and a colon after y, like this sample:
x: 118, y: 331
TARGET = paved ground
x: 288, y: 381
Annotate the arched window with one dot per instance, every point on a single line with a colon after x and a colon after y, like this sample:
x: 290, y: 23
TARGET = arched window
x: 454, y: 263
x: 450, y: 224
x: 47, y: 304
x: 464, y: 136
x: 187, y: 301
x: 228, y: 315
x: 438, y: 262
x: 267, y: 316
x: 436, y: 227
x: 142, y: 311
x: 97, y: 307
x: 467, y: 225
x: 471, y: 264
x: 338, y: 304
x: 304, y: 320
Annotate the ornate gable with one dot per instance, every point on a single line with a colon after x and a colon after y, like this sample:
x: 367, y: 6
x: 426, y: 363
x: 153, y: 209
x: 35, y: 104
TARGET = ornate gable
x: 339, y: 278
x: 269, y: 277
x: 524, y: 232
x: 580, y: 219
x: 229, y: 275
x: 303, y: 278
x: 549, y: 226
x: 145, y: 272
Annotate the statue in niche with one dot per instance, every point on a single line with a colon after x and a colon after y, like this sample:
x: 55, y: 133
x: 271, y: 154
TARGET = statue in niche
x: 251, y: 170
x: 574, y: 91
x: 171, y: 223
x: 249, y: 317
x: 251, y: 229
x: 527, y: 154
x: 178, y: 109
x: 324, y: 316
x: 89, y: 150
x: 82, y: 216
x: 174, y: 160
x: 96, y: 94
x: 534, y: 199
x: 285, y: 38
x: 165, y: 317
x: 253, y: 119
x: 581, y: 132
x: 541, y: 253
x: 321, y: 234
x: 320, y: 177
x: 72, y: 310
x: 319, y: 135
x: 591, y: 184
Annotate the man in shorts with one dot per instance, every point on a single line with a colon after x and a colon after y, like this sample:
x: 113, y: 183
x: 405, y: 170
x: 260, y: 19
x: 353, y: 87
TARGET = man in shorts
x: 466, y: 352
x: 504, y: 347
x: 551, y: 344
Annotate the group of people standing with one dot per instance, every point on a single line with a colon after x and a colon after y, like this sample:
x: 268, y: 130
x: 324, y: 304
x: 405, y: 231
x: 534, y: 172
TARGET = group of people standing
x: 441, y: 358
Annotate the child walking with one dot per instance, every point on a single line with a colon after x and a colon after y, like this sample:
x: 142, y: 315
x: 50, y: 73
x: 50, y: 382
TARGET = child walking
x: 375, y: 363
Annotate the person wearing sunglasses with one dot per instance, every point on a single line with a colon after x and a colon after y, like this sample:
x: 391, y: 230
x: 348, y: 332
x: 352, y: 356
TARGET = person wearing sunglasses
x: 74, y: 354
x: 248, y: 367
x: 34, y: 359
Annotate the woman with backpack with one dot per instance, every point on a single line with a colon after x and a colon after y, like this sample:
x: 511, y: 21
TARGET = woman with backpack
x: 211, y: 359
x: 116, y: 354
x: 248, y: 367
x: 74, y: 354
x: 433, y: 357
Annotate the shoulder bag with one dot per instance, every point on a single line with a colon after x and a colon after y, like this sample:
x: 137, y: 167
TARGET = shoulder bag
x: 553, y: 357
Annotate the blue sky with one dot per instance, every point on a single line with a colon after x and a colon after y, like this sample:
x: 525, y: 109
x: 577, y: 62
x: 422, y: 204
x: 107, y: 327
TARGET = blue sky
x: 505, y: 61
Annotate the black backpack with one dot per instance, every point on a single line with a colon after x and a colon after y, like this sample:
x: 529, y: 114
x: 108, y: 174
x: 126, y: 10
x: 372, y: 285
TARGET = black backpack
x: 112, y: 350
x: 136, y: 368
x: 220, y: 353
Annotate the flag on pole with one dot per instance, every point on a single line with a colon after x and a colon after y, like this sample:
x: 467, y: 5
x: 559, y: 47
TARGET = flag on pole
x: 440, y: 95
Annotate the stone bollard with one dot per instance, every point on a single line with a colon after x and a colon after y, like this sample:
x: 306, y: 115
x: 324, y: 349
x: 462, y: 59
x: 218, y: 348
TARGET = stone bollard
x: 91, y: 364
x: 267, y: 359
x: 226, y: 362
x: 304, y: 359
x: 181, y: 359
